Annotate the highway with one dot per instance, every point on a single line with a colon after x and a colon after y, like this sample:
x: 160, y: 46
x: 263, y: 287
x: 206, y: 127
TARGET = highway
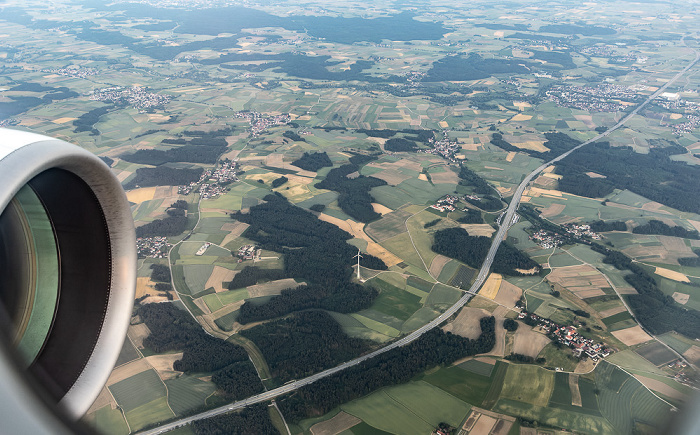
x: 506, y: 223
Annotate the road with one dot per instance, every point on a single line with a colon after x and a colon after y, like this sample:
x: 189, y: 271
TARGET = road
x: 507, y: 222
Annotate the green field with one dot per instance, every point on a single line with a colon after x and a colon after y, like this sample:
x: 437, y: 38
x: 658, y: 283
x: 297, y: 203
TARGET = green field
x: 442, y: 295
x: 128, y: 353
x: 477, y: 367
x: 226, y: 321
x: 465, y: 385
x: 138, y: 390
x: 677, y: 342
x: 212, y: 301
x: 394, y: 301
x: 413, y: 408
x: 108, y: 420
x: 149, y: 413
x: 656, y: 353
x: 376, y: 325
x: 232, y: 296
x: 187, y: 392
x: 528, y: 383
x: 196, y: 276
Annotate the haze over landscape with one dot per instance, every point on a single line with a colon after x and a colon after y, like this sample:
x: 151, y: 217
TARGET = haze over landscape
x: 403, y: 217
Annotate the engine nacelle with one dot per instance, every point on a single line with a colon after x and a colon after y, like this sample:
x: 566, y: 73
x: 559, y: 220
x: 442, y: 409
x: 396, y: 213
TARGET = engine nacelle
x: 67, y: 277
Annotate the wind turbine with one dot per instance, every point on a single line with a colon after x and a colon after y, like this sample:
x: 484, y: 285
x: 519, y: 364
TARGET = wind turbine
x: 358, y: 256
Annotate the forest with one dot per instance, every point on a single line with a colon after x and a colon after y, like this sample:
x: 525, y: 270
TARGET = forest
x: 470, y: 178
x: 163, y: 176
x: 175, y: 330
x: 659, y: 228
x: 313, y: 250
x: 497, y: 139
x: 471, y: 217
x: 398, y: 144
x: 185, y: 153
x: 656, y: 311
x: 251, y: 275
x: 303, y: 344
x: 654, y: 175
x: 602, y: 226
x: 313, y: 161
x: 396, y: 366
x: 277, y: 182
x: 289, y: 134
x: 353, y: 193
x: 87, y: 121
x: 251, y: 420
x: 167, y: 227
x: 472, y: 67
x: 457, y: 243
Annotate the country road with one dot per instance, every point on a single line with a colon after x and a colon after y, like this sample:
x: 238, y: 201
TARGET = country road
x: 506, y: 223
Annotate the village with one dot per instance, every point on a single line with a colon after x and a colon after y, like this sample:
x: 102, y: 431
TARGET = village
x: 549, y: 239
x: 136, y: 96
x: 220, y: 177
x: 602, y: 98
x: 445, y: 204
x: 247, y: 252
x: 259, y: 122
x: 444, y: 147
x: 567, y: 335
x: 153, y: 247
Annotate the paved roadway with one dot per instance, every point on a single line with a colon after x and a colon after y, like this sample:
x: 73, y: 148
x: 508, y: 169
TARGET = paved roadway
x: 506, y: 223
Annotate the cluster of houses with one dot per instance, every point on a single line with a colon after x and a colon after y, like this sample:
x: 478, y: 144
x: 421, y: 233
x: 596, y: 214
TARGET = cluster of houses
x: 444, y: 147
x: 547, y: 239
x: 137, y: 96
x: 259, y: 122
x: 580, y: 231
x: 602, y: 98
x: 569, y: 336
x: 154, y: 247
x: 219, y: 178
x: 246, y: 252
x: 445, y: 204
x: 73, y: 71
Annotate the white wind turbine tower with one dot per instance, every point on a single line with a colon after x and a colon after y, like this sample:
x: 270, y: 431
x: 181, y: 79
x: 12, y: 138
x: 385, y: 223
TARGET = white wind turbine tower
x: 358, y: 256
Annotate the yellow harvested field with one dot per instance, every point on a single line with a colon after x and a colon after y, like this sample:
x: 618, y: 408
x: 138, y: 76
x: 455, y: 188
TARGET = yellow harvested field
x: 381, y: 209
x: 510, y: 156
x: 217, y: 278
x: 356, y: 229
x: 521, y: 117
x: 137, y: 196
x: 444, y: 124
x: 585, y: 366
x: 508, y: 294
x: 671, y: 274
x: 63, y: 120
x: 676, y: 116
x: 154, y: 300
x: 235, y: 231
x: 144, y: 286
x: 437, y: 264
x: 528, y: 341
x: 632, y: 336
x: 483, y: 425
x: 536, y: 191
x: 662, y: 388
x: 479, y: 229
x: 553, y: 210
x: 128, y: 370
x: 423, y: 177
x: 199, y: 302
x: 491, y: 286
x: 681, y: 298
x: 467, y: 324
x: 692, y: 354
x: 340, y: 423
x: 272, y: 288
x: 521, y: 104
x: 532, y: 145
x: 164, y: 364
x: 499, y: 348
x: 103, y: 399
x: 595, y: 175
x: 137, y: 333
x: 575, y: 390
x: 582, y: 280
x: 552, y: 175
x: 612, y: 311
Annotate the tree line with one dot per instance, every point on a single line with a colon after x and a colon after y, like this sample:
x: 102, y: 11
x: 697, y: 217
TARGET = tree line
x: 396, y: 366
x: 457, y: 243
x: 313, y: 250
x: 353, y: 193
x: 251, y: 420
x: 657, y: 227
x: 656, y: 311
x: 303, y: 344
x: 313, y: 161
x: 163, y: 176
x: 175, y: 330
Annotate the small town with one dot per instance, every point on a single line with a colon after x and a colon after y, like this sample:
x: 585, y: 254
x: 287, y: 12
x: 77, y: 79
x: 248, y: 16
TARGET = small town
x: 445, y: 204
x: 597, y: 99
x: 78, y: 72
x: 568, y: 335
x: 548, y: 239
x: 152, y: 247
x: 136, y: 96
x: 444, y: 147
x: 580, y: 231
x: 259, y: 122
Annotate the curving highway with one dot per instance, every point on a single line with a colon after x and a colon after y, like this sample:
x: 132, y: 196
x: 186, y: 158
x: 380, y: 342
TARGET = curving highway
x: 507, y: 222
